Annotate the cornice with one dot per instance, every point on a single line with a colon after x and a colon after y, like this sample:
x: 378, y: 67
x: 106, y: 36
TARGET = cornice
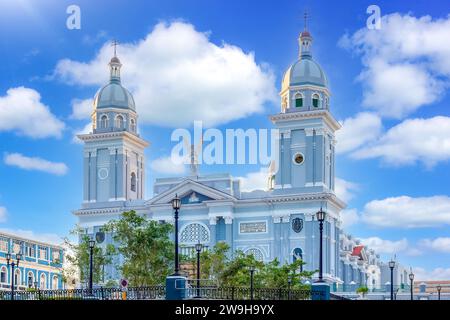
x: 300, y: 115
x: 113, y: 135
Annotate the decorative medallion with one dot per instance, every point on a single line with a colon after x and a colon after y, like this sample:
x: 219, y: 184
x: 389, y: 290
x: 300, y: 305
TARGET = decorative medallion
x: 193, y: 198
x: 103, y: 173
x: 297, y: 225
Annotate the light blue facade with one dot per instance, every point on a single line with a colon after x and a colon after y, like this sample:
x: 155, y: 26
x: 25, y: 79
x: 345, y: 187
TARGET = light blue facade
x: 278, y: 222
x: 41, y: 263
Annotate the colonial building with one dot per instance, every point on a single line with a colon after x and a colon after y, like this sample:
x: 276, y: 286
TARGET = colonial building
x: 40, y: 265
x: 279, y: 222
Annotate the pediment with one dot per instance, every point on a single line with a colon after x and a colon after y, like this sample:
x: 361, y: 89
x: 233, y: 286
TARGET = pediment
x: 190, y: 192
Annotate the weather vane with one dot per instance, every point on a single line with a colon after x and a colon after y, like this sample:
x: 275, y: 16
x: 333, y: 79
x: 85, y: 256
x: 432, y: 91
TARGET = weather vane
x: 115, y: 43
x: 305, y: 16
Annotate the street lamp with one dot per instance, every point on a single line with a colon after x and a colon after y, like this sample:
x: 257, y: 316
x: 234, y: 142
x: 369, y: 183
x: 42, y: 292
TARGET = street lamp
x: 198, y: 248
x: 252, y: 269
x: 320, y: 217
x: 13, y: 264
x: 439, y: 291
x: 289, y: 286
x: 91, y: 262
x: 411, y: 278
x: 392, y: 266
x: 176, y: 204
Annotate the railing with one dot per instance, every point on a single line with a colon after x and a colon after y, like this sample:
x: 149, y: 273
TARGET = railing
x: 159, y: 292
x: 244, y: 293
x: 334, y: 296
x: 132, y: 293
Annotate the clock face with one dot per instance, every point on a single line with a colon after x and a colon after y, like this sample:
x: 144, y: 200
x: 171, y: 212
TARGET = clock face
x: 103, y: 173
x: 299, y: 158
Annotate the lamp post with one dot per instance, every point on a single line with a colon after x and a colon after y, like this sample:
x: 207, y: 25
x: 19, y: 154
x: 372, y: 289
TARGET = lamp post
x: 439, y: 291
x: 176, y: 204
x: 13, y: 264
x: 252, y: 271
x: 320, y: 217
x: 392, y: 266
x: 91, y: 263
x: 411, y: 279
x: 289, y: 286
x: 198, y: 248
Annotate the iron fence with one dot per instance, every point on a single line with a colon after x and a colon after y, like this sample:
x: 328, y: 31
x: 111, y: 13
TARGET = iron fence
x: 244, y: 293
x: 132, y: 293
x: 159, y: 292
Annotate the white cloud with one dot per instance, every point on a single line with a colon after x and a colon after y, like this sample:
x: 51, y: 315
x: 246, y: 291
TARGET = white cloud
x: 51, y: 238
x: 441, y: 244
x: 255, y: 180
x: 35, y: 163
x: 357, y: 131
x: 3, y: 214
x: 422, y: 274
x: 385, y: 246
x: 345, y: 189
x: 349, y: 217
x: 81, y: 109
x: 408, y: 212
x: 413, y: 140
x: 177, y: 76
x: 168, y: 165
x: 85, y: 130
x: 22, y: 112
x: 406, y: 63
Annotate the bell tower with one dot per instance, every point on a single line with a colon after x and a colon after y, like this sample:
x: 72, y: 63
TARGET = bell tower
x: 306, y: 126
x: 114, y: 161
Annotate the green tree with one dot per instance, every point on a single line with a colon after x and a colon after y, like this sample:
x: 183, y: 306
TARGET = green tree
x: 79, y: 257
x: 275, y: 275
x: 237, y: 271
x: 213, y: 262
x: 145, y: 246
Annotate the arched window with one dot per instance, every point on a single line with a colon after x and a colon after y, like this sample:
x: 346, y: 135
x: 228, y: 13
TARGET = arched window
x: 315, y: 100
x: 3, y: 275
x: 55, y: 282
x: 256, y: 253
x: 30, y: 279
x: 17, y: 278
x: 298, y: 100
x: 133, y: 182
x: 297, y: 254
x: 132, y: 125
x: 119, y: 122
x: 104, y: 122
x: 194, y: 233
x: 42, y: 282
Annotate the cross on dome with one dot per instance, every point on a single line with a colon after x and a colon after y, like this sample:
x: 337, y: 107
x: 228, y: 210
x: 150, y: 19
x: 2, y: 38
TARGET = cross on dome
x: 115, y: 43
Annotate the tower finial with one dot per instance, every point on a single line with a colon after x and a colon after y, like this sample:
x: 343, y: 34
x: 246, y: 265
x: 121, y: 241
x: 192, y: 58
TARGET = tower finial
x: 305, y: 39
x: 305, y: 17
x: 115, y: 43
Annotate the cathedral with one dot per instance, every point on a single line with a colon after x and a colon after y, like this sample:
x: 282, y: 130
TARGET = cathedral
x: 279, y: 222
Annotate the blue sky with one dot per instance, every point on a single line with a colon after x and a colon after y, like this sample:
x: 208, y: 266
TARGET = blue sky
x: 389, y: 89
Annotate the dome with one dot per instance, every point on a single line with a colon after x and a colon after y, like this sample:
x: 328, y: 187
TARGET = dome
x: 113, y: 95
x: 304, y: 72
